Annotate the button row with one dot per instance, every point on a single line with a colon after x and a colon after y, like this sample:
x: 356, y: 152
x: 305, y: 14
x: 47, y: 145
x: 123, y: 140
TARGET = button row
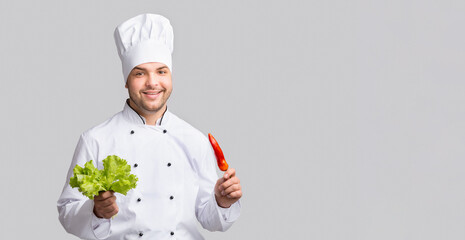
x: 164, y: 131
x: 142, y: 234
x: 136, y: 165
x: 139, y: 199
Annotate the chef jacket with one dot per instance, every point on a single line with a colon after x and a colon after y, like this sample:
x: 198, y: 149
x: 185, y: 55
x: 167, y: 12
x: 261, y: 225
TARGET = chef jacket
x: 176, y: 167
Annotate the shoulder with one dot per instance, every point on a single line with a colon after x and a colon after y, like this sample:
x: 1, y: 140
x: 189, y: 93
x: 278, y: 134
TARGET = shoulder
x: 193, y: 142
x: 103, y: 129
x: 188, y: 135
x: 181, y: 127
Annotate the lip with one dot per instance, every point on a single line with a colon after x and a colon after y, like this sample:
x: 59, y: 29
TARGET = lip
x: 151, y: 94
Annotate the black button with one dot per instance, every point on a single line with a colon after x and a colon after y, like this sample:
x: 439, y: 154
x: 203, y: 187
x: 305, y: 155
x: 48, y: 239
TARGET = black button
x: 171, y: 197
x: 169, y: 164
x: 135, y: 164
x: 132, y: 131
x: 164, y: 131
x: 139, y: 199
x: 141, y: 234
x: 172, y: 233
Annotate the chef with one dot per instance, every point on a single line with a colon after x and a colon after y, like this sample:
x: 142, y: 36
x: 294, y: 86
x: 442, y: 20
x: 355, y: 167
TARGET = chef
x: 174, y: 162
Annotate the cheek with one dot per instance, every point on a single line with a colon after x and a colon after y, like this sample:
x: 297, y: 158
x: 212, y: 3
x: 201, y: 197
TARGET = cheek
x: 167, y: 84
x: 135, y: 86
x: 170, y: 85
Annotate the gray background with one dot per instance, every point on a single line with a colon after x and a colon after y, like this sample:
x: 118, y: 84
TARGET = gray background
x: 344, y: 119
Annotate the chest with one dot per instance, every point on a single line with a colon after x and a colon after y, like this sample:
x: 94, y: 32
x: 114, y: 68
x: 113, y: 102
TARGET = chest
x: 158, y: 160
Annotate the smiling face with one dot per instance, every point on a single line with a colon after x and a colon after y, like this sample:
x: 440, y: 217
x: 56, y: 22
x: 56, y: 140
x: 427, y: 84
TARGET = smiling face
x: 149, y: 86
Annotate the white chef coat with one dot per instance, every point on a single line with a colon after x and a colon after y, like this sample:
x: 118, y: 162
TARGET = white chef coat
x: 176, y: 167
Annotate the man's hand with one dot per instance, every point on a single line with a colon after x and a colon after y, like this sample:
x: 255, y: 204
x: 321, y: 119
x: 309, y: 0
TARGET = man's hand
x: 105, y: 205
x: 228, y: 189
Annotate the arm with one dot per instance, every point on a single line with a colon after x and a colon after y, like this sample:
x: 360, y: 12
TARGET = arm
x: 210, y: 214
x: 75, y: 210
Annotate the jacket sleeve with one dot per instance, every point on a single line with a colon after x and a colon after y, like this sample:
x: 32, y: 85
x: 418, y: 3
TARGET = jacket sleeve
x: 75, y: 210
x: 211, y: 216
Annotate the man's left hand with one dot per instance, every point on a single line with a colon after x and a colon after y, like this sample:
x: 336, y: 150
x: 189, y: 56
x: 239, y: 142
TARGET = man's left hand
x: 228, y: 189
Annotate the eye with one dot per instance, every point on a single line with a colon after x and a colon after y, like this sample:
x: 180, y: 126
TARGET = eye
x: 162, y: 72
x: 139, y: 74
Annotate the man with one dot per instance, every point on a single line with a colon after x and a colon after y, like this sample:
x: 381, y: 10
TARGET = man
x: 174, y: 162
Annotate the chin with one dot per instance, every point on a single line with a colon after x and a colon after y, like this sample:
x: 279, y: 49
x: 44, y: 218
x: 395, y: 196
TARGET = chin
x: 153, y: 108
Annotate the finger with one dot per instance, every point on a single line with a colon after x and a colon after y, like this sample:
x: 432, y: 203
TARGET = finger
x: 220, y: 181
x: 231, y: 189
x: 108, y: 194
x: 104, y: 195
x: 98, y: 197
x: 110, y: 209
x: 231, y: 172
x: 228, y: 183
x: 235, y: 194
x: 105, y: 211
x: 108, y: 199
x: 110, y: 214
x: 231, y: 181
x: 106, y: 202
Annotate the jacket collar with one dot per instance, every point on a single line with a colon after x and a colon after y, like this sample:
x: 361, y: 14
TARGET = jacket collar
x: 132, y: 116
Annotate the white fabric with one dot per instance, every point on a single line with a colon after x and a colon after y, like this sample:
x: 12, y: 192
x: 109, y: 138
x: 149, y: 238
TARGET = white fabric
x: 190, y: 180
x: 144, y: 38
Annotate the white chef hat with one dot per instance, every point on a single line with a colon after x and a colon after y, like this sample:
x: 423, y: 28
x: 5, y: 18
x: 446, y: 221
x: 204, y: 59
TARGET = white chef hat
x: 144, y: 38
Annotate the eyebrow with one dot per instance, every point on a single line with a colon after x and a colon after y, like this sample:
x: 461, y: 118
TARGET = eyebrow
x: 143, y: 69
x: 139, y: 68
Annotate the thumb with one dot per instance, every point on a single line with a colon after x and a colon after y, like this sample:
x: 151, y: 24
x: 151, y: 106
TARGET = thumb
x: 231, y: 172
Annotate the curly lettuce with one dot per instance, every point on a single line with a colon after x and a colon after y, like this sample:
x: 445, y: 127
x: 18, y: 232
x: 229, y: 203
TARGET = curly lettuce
x: 115, y: 176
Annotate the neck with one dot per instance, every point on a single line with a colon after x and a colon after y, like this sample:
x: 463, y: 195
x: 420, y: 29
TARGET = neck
x: 150, y: 117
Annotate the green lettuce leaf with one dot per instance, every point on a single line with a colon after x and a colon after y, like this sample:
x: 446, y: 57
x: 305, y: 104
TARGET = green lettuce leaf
x: 115, y: 176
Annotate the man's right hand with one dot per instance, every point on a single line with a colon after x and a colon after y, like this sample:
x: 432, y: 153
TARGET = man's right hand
x: 105, y: 205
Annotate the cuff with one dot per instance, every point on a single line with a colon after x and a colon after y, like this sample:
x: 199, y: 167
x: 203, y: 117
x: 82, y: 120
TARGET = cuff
x: 101, y: 227
x: 230, y: 214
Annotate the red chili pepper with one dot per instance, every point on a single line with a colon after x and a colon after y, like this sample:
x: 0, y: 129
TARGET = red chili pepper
x: 222, y: 164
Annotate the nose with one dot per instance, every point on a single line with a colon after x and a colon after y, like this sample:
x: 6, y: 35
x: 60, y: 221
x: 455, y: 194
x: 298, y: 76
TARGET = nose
x: 152, y: 80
